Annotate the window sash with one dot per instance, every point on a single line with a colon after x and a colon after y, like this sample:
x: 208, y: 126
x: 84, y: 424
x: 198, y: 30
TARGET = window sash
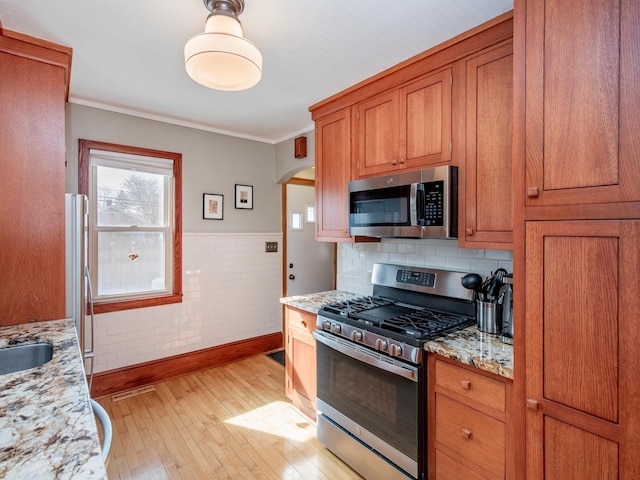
x: 132, y: 163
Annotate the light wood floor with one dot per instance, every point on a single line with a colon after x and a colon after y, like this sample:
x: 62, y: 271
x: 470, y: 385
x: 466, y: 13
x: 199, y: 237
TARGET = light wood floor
x: 229, y: 422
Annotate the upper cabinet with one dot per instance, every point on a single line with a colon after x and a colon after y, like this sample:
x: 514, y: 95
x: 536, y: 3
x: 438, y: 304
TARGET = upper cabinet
x: 412, y: 116
x: 487, y: 185
x: 34, y: 79
x: 582, y: 92
x: 333, y: 169
x: 407, y: 128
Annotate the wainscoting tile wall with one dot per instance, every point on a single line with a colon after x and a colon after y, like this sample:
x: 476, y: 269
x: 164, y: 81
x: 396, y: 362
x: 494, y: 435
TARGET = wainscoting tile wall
x: 231, y: 292
x: 355, y: 260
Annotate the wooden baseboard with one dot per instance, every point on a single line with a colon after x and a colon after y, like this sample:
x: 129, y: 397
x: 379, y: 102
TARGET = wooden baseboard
x: 127, y: 378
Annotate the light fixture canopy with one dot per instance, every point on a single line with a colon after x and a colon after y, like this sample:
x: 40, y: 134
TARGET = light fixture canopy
x: 221, y: 58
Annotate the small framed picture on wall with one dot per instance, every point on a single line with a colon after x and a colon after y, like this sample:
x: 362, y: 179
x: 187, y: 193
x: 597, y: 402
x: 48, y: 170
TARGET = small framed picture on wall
x: 244, y: 196
x: 212, y: 206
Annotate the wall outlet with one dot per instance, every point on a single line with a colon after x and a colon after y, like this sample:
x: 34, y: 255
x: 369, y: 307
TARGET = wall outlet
x: 270, y: 247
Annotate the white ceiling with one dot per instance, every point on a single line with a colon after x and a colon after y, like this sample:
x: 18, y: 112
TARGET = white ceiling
x: 128, y: 54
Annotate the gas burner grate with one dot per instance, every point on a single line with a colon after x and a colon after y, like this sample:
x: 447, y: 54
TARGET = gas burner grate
x: 360, y: 304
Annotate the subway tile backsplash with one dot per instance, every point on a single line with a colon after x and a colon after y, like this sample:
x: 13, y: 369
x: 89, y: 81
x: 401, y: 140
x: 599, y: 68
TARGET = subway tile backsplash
x: 355, y: 260
x: 231, y: 291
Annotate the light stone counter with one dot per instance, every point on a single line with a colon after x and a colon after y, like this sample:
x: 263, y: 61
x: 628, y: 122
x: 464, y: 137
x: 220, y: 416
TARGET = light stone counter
x: 475, y: 348
x: 47, y: 427
x: 470, y: 346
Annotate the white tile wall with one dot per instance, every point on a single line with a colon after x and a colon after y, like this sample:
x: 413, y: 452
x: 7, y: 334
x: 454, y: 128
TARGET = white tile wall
x: 355, y: 260
x: 232, y: 290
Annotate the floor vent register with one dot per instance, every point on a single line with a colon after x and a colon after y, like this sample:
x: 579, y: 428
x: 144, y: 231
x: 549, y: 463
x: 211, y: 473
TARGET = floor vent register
x: 132, y: 393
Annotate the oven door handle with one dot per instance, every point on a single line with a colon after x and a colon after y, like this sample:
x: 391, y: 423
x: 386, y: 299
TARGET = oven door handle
x: 352, y: 350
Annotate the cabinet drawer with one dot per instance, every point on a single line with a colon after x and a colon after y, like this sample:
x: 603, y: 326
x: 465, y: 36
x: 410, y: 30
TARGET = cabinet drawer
x: 474, y: 386
x: 474, y: 435
x: 447, y: 469
x: 299, y: 320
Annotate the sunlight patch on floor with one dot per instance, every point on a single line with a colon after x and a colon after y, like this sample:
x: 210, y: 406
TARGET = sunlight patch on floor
x: 275, y: 419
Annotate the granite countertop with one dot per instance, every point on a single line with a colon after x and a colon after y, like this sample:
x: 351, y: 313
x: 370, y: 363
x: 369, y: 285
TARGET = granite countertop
x: 469, y: 346
x: 47, y: 427
x: 475, y: 348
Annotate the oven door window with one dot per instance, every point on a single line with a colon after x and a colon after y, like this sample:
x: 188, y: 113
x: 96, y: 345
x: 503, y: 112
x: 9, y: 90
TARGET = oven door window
x: 381, y: 402
x: 380, y: 207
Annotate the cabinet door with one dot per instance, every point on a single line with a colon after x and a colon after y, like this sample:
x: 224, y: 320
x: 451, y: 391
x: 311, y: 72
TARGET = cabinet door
x: 488, y: 177
x: 582, y: 99
x: 32, y: 149
x: 333, y: 169
x: 425, y: 116
x: 300, y: 366
x: 378, y: 135
x: 581, y: 329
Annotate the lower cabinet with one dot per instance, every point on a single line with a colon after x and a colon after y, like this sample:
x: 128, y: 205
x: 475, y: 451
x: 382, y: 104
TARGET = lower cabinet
x: 469, y: 435
x: 300, y: 367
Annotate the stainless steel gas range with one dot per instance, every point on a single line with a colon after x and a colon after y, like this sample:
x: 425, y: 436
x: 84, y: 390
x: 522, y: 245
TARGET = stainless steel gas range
x: 371, y: 384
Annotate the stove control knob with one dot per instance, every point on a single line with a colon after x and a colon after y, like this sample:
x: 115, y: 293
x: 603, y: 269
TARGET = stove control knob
x: 395, y: 350
x: 326, y: 325
x: 381, y: 345
x: 356, y: 336
x: 336, y: 328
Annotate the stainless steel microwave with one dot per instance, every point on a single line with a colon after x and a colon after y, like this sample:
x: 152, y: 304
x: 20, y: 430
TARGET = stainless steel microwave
x: 418, y: 204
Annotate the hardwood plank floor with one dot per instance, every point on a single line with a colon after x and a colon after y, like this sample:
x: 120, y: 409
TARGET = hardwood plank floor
x: 229, y: 422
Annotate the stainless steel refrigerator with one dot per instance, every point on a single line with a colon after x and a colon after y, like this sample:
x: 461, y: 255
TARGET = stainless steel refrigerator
x: 78, y: 281
x: 80, y: 295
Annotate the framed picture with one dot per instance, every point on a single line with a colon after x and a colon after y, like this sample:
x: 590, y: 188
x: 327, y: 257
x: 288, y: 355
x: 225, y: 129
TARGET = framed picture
x: 244, y: 196
x: 212, y: 206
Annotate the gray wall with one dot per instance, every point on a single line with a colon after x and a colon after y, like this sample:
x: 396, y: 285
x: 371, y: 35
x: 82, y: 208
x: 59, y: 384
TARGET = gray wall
x: 211, y: 163
x: 286, y: 163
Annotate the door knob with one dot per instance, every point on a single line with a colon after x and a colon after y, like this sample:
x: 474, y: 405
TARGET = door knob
x: 292, y: 277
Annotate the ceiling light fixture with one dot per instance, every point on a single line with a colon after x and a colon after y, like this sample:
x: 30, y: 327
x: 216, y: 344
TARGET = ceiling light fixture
x: 221, y: 57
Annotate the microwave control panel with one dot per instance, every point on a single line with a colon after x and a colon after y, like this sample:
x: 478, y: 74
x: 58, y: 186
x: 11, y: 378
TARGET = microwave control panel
x: 434, y: 204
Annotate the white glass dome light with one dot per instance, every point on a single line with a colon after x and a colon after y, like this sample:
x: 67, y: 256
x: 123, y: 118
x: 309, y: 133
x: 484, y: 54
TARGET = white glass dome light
x: 221, y: 58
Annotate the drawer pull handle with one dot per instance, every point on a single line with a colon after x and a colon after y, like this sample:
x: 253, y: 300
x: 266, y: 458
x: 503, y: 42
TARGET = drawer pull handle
x: 466, y: 434
x: 532, y: 404
x: 465, y: 384
x: 533, y: 192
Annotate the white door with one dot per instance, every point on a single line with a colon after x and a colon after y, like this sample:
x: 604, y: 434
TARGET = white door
x: 309, y: 264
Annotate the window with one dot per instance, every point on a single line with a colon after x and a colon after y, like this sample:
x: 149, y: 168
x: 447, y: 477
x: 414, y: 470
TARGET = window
x: 135, y: 224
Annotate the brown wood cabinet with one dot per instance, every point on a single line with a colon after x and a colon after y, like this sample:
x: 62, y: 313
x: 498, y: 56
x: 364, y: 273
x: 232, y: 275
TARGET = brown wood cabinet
x: 300, y: 365
x: 576, y: 237
x: 34, y: 77
x: 333, y: 172
x: 581, y: 347
x: 408, y: 117
x: 469, y: 431
x: 486, y: 192
x: 406, y: 128
x: 582, y: 96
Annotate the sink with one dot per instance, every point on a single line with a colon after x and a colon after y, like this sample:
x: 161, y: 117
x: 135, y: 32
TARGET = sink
x: 24, y: 357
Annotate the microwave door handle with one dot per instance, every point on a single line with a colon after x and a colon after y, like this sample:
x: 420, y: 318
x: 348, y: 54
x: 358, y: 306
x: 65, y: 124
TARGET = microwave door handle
x: 420, y: 204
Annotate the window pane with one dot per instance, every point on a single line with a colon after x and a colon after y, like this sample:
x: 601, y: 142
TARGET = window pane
x: 128, y: 198
x: 130, y: 262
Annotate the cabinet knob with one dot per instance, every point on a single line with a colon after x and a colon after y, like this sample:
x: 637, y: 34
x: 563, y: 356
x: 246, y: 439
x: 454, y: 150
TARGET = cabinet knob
x: 465, y: 433
x: 533, y: 192
x: 394, y: 162
x: 402, y: 160
x: 465, y: 384
x: 468, y: 231
x: 532, y: 404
